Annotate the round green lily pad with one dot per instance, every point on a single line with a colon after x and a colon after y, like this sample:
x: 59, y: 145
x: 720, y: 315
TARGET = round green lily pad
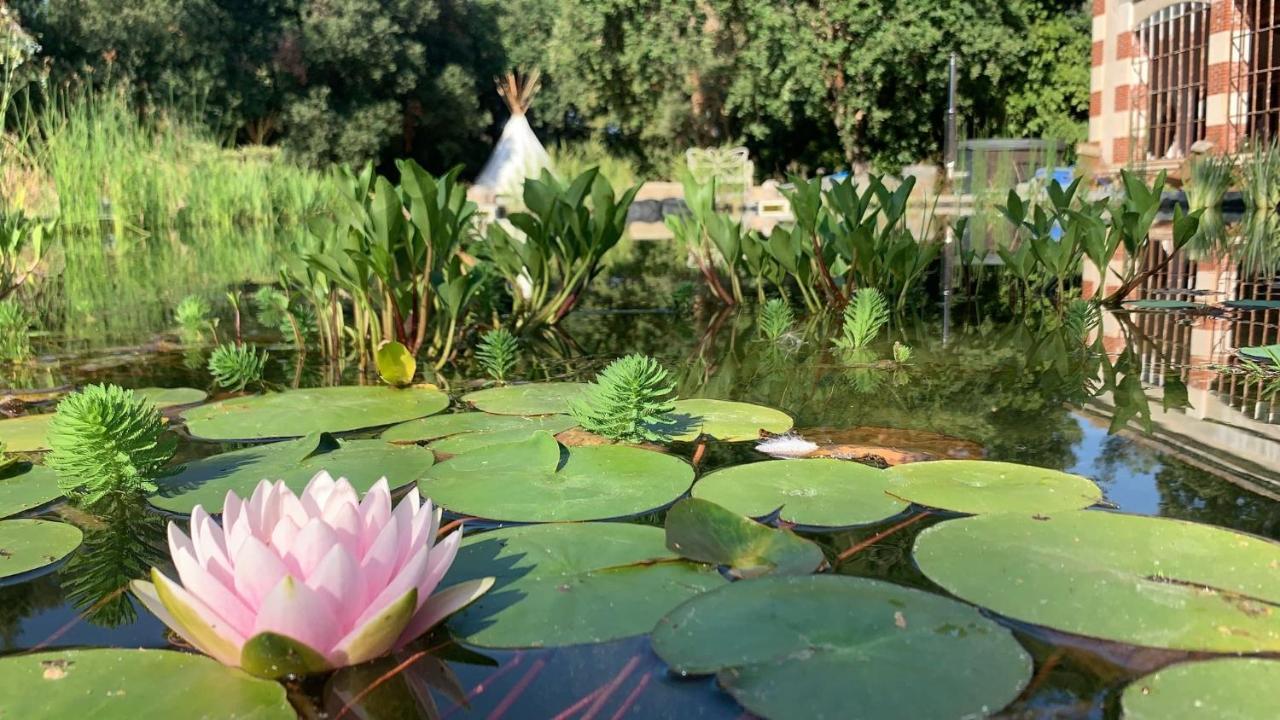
x: 119, y: 684
x: 26, y: 433
x: 529, y: 481
x: 1225, y: 689
x: 506, y: 428
x: 526, y: 399
x: 1252, y: 304
x: 834, y: 646
x: 362, y: 462
x: 985, y: 486
x: 169, y: 397
x: 568, y: 584
x: 821, y: 493
x: 1145, y: 581
x: 24, y: 486
x: 725, y: 420
x: 466, y: 442
x: 27, y: 545
x: 1160, y: 305
x: 701, y: 530
x: 295, y: 413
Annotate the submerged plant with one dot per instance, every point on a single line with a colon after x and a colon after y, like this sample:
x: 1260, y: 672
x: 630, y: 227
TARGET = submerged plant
x: 864, y: 317
x: 15, y: 331
x: 192, y: 314
x: 775, y: 319
x: 1080, y: 318
x: 106, y: 441
x: 497, y: 353
x: 631, y: 400
x: 123, y: 548
x: 259, y: 594
x: 235, y: 366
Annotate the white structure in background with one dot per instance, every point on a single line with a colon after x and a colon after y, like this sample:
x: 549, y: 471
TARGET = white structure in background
x: 519, y: 154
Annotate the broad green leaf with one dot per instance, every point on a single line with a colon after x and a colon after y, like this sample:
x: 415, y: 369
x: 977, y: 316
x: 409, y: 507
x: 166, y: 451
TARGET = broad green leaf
x: 526, y: 399
x: 26, y: 433
x: 831, y: 493
x: 24, y: 486
x: 27, y: 545
x: 1140, y: 580
x: 1160, y: 305
x: 725, y: 420
x: 477, y: 423
x: 834, y: 647
x: 985, y: 486
x: 396, y: 365
x: 1224, y: 689
x: 706, y: 532
x: 169, y: 397
x: 295, y: 413
x: 568, y: 584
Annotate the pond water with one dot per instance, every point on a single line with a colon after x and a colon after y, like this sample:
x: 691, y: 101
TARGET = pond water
x: 996, y: 386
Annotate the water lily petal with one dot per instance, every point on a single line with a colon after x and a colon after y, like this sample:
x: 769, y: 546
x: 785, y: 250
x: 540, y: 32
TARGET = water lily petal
x: 439, y: 559
x: 283, y: 537
x: 196, y: 623
x: 338, y: 579
x: 296, y: 611
x: 220, y: 599
x: 375, y: 511
x: 408, y: 577
x: 258, y: 571
x: 379, y: 562
x: 316, y: 492
x: 310, y: 546
x: 377, y: 635
x: 442, y: 605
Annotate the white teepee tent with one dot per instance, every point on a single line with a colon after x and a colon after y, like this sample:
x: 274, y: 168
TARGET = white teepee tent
x: 518, y: 154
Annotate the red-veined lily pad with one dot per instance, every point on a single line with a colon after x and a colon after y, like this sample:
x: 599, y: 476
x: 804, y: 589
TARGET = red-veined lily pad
x: 1146, y: 581
x: 27, y: 545
x: 362, y: 462
x: 574, y: 583
x: 833, y: 646
x: 530, y: 481
x: 725, y: 420
x: 821, y: 493
x: 295, y: 413
x: 527, y: 399
x: 1223, y: 689
x: 706, y: 532
x: 119, y: 684
x: 24, y: 486
x: 984, y: 486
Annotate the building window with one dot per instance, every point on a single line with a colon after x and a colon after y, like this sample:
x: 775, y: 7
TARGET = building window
x: 1172, y: 63
x: 1256, y: 45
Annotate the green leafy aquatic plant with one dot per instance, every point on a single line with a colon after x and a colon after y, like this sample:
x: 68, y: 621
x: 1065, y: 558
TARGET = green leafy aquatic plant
x: 1260, y: 176
x: 1080, y: 318
x: 631, y: 400
x: 22, y: 248
x: 192, y: 314
x: 106, y: 441
x: 775, y: 319
x: 396, y: 365
x: 497, y: 353
x: 15, y: 327
x: 235, y: 366
x: 864, y: 318
x: 901, y: 353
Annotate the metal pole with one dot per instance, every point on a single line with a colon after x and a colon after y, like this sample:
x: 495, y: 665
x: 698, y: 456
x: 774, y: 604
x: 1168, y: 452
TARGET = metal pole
x: 949, y: 158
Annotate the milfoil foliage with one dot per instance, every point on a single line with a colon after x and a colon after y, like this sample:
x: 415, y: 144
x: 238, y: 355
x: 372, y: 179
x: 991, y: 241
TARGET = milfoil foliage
x: 631, y: 400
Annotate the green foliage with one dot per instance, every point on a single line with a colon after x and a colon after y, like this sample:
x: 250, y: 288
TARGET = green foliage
x: 497, y: 353
x: 235, y: 366
x: 105, y: 442
x: 193, y: 314
x: 275, y: 309
x: 5, y: 459
x: 128, y: 543
x: 22, y: 245
x: 571, y: 159
x: 901, y: 353
x: 864, y: 318
x: 1080, y: 318
x: 15, y: 331
x: 1050, y: 96
x: 775, y: 319
x: 1260, y: 175
x: 630, y: 400
x: 1211, y: 177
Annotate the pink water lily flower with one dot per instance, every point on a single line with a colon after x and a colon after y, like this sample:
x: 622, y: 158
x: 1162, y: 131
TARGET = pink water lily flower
x: 297, y: 584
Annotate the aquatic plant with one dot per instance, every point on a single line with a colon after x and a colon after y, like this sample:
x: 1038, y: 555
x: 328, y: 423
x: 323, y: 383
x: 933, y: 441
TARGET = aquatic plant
x: 901, y: 353
x: 1260, y: 175
x: 1081, y: 318
x: 497, y: 353
x: 775, y: 319
x: 15, y: 331
x: 106, y: 441
x: 235, y: 366
x: 5, y: 459
x: 275, y: 309
x: 22, y: 248
x: 630, y: 400
x: 123, y: 547
x: 864, y: 317
x: 192, y: 314
x: 396, y: 365
x: 283, y: 586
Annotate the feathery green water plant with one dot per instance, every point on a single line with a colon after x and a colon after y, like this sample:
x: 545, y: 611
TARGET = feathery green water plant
x: 902, y: 353
x: 1260, y: 176
x: 235, y: 366
x: 277, y: 310
x: 105, y: 442
x: 1080, y: 318
x: 775, y: 319
x: 864, y: 318
x: 631, y: 400
x: 497, y: 353
x: 192, y: 314
x: 15, y: 328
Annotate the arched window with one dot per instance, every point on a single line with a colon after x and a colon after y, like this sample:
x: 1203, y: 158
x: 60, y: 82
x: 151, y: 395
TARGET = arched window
x: 1257, y: 45
x: 1172, y: 63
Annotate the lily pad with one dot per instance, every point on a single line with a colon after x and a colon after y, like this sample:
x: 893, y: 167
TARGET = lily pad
x: 835, y: 646
x: 466, y: 442
x: 1252, y: 304
x: 24, y: 486
x: 526, y: 399
x: 1266, y: 353
x: 27, y: 545
x: 821, y: 493
x: 169, y: 397
x: 396, y: 365
x: 1146, y: 581
x: 530, y: 481
x: 568, y: 584
x: 26, y: 433
x: 725, y: 420
x: 1161, y: 305
x: 1225, y: 689
x: 118, y: 684
x: 295, y: 413
x: 362, y: 462
x: 985, y: 486
x: 706, y: 532
x: 454, y: 425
